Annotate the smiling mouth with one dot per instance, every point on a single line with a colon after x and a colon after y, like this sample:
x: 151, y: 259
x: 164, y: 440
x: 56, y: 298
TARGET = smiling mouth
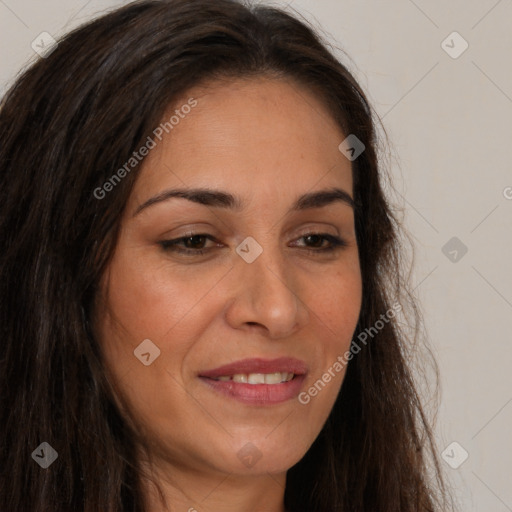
x: 257, y: 378
x: 258, y: 381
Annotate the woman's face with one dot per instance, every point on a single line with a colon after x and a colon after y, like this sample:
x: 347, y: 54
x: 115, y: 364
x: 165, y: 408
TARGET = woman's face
x: 260, y: 287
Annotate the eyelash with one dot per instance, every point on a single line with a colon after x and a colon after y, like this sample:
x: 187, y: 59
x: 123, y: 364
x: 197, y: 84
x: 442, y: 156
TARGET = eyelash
x: 172, y: 245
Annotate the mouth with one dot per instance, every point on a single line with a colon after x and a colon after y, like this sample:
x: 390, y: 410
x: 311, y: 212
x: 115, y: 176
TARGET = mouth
x: 257, y: 381
x: 258, y: 378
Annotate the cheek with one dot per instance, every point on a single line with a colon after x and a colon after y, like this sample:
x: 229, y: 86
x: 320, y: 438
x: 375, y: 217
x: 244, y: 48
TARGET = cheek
x: 335, y: 309
x: 151, y: 298
x: 336, y: 302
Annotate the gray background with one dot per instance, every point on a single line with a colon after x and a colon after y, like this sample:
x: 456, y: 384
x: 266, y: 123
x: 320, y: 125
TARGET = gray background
x: 449, y: 121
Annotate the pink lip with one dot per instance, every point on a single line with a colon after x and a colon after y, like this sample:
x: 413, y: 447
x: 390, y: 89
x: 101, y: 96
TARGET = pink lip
x: 256, y: 365
x: 258, y: 394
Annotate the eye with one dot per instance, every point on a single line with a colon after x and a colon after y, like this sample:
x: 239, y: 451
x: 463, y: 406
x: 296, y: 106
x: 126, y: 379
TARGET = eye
x: 192, y: 244
x: 315, y: 242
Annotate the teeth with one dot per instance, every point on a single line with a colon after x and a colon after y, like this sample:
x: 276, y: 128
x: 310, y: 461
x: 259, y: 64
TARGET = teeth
x: 258, y: 378
x: 274, y: 378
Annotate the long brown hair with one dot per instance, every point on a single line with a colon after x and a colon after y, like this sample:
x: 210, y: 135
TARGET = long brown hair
x: 66, y: 126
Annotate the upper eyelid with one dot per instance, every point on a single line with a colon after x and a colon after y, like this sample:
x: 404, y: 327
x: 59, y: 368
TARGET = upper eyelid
x: 303, y: 231
x: 214, y: 238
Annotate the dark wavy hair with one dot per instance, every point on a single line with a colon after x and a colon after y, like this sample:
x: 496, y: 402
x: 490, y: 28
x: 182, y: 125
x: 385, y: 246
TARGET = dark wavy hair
x: 66, y: 125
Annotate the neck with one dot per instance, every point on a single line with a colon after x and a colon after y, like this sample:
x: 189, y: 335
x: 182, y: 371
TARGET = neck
x: 190, y: 490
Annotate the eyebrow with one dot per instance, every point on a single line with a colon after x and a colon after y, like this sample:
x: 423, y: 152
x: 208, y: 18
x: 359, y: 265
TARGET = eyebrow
x: 220, y: 199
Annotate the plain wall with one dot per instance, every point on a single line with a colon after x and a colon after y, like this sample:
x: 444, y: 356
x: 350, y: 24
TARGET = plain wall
x: 449, y: 122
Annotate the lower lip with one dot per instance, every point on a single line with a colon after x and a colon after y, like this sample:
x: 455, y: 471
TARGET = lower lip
x: 258, y: 394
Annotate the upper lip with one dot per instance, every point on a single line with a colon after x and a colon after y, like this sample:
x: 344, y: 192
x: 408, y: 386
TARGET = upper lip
x: 258, y: 365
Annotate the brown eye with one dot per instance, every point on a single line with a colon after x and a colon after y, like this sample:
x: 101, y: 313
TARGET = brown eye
x: 314, y: 242
x: 193, y: 244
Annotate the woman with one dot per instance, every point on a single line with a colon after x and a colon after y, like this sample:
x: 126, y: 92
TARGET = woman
x: 200, y: 279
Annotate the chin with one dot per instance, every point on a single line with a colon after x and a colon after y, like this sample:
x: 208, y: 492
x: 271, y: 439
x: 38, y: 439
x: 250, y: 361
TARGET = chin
x: 262, y: 456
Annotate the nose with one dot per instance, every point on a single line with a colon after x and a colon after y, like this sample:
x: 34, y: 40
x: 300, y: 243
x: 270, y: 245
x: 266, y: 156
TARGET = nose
x: 266, y: 297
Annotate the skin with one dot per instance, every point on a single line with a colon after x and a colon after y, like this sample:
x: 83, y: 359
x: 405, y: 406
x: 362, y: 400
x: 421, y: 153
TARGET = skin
x: 266, y: 141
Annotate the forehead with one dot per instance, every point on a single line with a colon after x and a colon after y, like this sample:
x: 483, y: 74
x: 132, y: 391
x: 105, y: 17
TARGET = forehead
x: 260, y: 134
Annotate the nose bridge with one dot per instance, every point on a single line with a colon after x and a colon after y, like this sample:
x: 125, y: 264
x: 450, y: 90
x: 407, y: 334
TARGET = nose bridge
x: 270, y: 274
x: 267, y: 295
